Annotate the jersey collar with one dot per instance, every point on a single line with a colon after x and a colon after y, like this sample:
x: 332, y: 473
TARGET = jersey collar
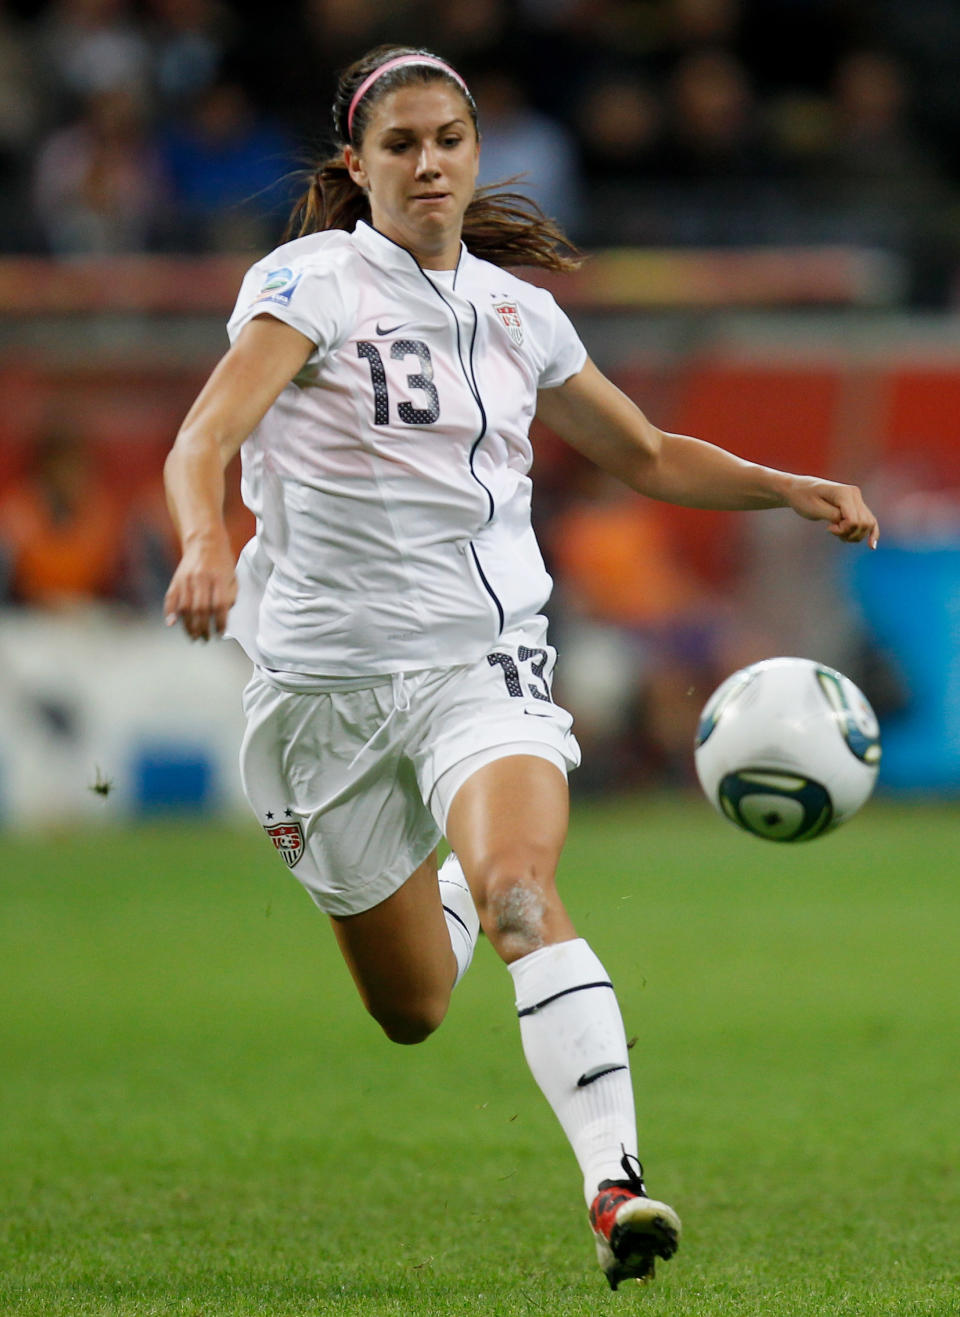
x: 389, y: 255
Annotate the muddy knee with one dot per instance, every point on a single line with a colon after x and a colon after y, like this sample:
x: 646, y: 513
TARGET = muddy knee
x: 521, y: 911
x: 517, y: 910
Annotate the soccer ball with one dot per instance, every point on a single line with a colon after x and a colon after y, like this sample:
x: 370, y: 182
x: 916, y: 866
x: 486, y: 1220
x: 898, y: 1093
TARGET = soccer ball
x: 787, y: 749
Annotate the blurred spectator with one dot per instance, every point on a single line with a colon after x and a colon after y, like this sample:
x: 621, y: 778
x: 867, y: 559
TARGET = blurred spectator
x: 188, y: 43
x: 643, y: 642
x: 152, y: 550
x: 99, y: 185
x: 520, y: 142
x: 926, y: 36
x: 93, y: 46
x: 692, y: 24
x: 619, y: 122
x: 352, y: 24
x: 226, y: 163
x: 321, y: 37
x: 619, y: 125
x: 800, y: 125
x: 60, y: 535
x: 873, y: 136
x: 793, y: 45
x: 477, y: 33
x: 565, y: 40
x: 20, y: 89
x: 556, y: 13
x: 21, y: 113
x: 712, y: 131
x: 715, y: 165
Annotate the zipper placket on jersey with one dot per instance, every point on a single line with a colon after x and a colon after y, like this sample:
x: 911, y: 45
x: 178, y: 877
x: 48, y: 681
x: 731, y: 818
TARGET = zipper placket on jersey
x: 471, y: 382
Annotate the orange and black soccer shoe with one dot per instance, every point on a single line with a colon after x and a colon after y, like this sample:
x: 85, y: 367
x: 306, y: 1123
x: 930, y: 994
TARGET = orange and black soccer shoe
x: 631, y: 1230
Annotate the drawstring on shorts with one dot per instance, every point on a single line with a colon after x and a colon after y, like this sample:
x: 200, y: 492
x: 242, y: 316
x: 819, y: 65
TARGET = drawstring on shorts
x: 401, y: 703
x: 401, y: 692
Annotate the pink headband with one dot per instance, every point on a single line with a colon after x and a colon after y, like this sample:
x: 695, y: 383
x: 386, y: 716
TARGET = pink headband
x: 398, y: 62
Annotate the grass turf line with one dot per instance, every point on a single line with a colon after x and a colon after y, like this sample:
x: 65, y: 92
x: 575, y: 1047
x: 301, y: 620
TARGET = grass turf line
x: 197, y: 1118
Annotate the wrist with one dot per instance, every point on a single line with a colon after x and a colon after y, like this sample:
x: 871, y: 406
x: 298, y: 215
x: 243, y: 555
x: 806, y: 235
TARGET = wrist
x: 204, y: 538
x: 782, y: 486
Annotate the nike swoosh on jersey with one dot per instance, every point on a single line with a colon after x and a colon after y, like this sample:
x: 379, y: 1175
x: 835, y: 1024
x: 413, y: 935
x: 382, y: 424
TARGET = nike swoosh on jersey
x: 392, y: 329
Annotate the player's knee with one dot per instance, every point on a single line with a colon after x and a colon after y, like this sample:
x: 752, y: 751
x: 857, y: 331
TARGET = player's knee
x: 409, y: 1024
x: 515, y: 899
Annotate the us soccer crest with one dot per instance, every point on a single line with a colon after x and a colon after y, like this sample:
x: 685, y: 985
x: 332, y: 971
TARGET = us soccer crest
x: 509, y: 314
x: 288, y: 839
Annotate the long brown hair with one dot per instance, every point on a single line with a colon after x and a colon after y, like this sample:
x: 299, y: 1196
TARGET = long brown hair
x: 500, y: 226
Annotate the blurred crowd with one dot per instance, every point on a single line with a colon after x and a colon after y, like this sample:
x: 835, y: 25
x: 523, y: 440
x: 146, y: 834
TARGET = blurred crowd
x: 181, y: 125
x: 78, y: 528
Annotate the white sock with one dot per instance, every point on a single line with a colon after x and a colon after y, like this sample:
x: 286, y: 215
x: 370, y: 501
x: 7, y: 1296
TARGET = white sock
x: 573, y: 1039
x: 463, y: 922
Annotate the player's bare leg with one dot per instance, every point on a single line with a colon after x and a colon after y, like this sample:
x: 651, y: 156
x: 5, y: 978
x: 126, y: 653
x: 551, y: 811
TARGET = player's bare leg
x: 507, y: 824
x: 400, y: 956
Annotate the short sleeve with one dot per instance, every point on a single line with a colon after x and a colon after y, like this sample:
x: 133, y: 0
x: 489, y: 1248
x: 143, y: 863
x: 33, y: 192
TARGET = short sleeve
x: 309, y: 295
x: 566, y: 356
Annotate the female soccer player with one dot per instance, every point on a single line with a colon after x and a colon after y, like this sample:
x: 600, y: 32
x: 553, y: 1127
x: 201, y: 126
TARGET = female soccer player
x: 383, y: 372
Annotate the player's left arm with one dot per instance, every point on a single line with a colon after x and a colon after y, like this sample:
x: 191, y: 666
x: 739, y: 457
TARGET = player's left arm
x: 592, y: 415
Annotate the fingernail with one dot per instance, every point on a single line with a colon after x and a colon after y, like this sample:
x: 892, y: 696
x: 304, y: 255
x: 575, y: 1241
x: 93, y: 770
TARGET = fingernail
x: 170, y: 619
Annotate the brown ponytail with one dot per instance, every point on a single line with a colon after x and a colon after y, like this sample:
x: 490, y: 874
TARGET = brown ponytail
x: 509, y: 229
x: 332, y: 201
x: 502, y: 227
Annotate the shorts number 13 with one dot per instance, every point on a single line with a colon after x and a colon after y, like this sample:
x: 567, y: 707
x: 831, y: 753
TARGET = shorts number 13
x: 537, y: 659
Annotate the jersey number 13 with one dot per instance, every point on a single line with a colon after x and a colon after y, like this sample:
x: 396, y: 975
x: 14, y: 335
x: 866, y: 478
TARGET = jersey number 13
x: 421, y: 380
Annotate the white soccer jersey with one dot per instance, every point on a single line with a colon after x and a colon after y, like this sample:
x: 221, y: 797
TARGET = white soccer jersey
x: 390, y: 478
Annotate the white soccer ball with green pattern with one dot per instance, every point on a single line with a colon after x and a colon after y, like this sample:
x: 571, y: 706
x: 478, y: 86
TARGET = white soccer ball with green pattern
x: 787, y: 749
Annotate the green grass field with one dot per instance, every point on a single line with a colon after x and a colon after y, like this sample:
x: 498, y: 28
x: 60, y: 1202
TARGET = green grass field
x: 197, y: 1117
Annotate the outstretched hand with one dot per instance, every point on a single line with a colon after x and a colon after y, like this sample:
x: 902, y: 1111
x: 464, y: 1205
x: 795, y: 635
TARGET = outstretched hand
x: 202, y: 590
x: 841, y: 505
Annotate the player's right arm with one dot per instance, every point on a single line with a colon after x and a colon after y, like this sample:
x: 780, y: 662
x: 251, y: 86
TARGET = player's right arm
x: 603, y: 424
x: 265, y: 357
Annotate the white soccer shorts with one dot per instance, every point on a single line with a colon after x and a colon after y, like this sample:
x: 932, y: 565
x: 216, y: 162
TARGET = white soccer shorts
x: 353, y: 786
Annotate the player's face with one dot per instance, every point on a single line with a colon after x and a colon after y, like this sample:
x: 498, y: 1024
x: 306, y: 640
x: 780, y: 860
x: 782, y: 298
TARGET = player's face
x: 418, y: 163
